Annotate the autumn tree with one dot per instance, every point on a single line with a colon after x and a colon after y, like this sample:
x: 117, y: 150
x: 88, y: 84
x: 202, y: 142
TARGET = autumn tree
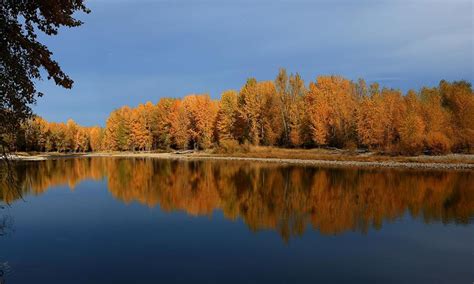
x: 259, y: 109
x: 249, y: 104
x: 96, y: 136
x: 227, y: 116
x: 49, y: 137
x: 81, y: 143
x: 111, y: 127
x: 271, y: 126
x: 179, y: 125
x: 379, y: 118
x: 297, y: 117
x: 161, y: 123
x: 58, y: 140
x: 394, y: 109
x: 438, y: 129
x: 412, y: 126
x: 140, y: 128
x: 290, y: 91
x: 283, y: 92
x: 71, y: 135
x: 331, y: 106
x: 33, y: 134
x: 43, y: 129
x: 117, y: 130
x: 458, y: 98
x: 202, y: 112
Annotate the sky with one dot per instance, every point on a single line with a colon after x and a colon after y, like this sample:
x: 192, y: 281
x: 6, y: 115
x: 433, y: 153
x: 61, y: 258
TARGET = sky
x: 133, y: 51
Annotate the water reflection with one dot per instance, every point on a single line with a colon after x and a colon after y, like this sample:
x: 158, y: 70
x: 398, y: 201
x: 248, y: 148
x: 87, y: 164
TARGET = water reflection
x: 288, y: 199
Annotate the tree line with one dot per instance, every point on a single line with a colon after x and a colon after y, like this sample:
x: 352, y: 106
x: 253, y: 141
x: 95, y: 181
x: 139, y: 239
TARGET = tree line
x: 330, y: 112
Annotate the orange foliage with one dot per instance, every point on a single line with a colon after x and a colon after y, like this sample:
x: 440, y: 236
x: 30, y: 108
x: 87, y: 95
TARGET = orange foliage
x: 331, y: 106
x: 140, y: 134
x: 202, y: 113
x: 227, y: 116
x: 179, y: 125
x: 332, y: 112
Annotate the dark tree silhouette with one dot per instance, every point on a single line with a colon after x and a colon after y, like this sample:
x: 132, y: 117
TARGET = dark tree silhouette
x: 22, y: 56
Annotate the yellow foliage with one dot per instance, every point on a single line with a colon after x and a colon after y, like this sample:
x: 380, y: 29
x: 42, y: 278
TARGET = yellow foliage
x: 333, y: 111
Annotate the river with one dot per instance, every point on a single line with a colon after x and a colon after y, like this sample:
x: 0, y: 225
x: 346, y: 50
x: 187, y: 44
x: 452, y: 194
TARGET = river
x: 139, y: 220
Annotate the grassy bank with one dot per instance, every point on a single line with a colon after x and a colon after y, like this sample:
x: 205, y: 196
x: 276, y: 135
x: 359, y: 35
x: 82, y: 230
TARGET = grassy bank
x: 317, y: 157
x: 347, y: 155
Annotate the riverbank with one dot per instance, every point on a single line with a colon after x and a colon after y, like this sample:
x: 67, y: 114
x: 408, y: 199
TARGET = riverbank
x: 313, y: 157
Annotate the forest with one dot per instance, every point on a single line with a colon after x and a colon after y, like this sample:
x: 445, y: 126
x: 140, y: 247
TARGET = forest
x: 330, y: 112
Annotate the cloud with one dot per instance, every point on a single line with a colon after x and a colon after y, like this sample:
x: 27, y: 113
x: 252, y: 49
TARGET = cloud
x: 171, y: 48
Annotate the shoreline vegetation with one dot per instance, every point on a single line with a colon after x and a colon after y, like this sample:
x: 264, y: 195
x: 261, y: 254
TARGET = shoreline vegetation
x: 308, y: 157
x: 329, y: 113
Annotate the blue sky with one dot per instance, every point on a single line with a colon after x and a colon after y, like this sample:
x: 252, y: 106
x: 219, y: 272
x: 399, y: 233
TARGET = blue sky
x: 130, y: 52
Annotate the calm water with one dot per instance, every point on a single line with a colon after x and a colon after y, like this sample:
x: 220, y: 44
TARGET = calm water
x: 106, y: 220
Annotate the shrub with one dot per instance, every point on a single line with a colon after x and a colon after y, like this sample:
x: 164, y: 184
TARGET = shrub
x: 229, y: 146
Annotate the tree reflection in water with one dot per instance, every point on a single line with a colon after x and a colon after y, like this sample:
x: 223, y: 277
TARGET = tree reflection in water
x: 6, y: 225
x: 287, y: 199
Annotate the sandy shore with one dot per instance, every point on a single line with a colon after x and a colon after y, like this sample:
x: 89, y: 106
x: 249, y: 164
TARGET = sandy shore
x: 437, y: 164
